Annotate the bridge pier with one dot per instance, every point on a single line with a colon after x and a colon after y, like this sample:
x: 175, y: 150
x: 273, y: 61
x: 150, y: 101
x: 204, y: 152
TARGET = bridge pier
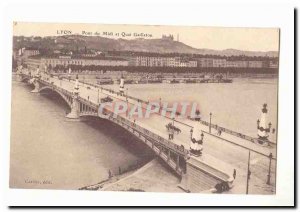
x: 74, y: 114
x: 19, y: 78
x: 177, y: 162
x: 202, y: 176
x: 75, y: 106
x: 36, y: 85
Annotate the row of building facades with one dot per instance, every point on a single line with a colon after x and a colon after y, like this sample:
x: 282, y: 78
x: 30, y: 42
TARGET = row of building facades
x: 32, y: 58
x: 201, y: 62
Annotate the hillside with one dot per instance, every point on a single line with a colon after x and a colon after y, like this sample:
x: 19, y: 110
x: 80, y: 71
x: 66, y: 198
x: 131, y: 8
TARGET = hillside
x: 77, y: 42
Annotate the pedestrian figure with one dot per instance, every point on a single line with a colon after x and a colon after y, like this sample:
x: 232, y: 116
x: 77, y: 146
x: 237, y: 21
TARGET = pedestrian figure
x: 172, y: 134
x: 120, y: 171
x: 109, y: 173
x: 88, y: 97
x: 218, y: 188
x: 220, y: 132
x: 234, y: 173
x: 225, y: 186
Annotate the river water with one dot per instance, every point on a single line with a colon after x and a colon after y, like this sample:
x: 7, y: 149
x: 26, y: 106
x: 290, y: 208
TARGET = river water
x: 235, y: 106
x: 48, y: 151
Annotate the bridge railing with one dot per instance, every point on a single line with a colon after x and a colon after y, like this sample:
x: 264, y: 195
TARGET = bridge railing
x: 231, y: 132
x: 114, y: 92
x: 168, y: 144
x: 179, y: 149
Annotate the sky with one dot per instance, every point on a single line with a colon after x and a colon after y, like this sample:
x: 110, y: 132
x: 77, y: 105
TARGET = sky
x: 218, y: 38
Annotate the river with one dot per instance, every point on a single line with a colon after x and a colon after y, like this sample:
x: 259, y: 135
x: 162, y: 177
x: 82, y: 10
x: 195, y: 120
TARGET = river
x: 48, y: 151
x: 235, y: 106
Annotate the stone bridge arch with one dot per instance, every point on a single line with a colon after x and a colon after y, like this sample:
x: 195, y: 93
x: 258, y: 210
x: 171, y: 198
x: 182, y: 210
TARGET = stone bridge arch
x: 24, y: 79
x: 68, y: 99
x: 85, y: 114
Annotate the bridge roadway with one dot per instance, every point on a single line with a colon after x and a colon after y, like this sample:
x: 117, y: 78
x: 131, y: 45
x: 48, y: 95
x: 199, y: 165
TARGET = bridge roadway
x: 219, y: 151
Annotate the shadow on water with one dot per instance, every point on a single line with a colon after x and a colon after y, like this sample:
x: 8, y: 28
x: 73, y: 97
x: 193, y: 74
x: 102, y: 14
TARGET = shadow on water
x: 121, y: 137
x: 116, y: 133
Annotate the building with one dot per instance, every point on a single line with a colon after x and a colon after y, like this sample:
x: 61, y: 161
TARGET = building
x: 43, y: 62
x: 167, y: 37
x: 217, y: 63
x: 34, y: 63
x: 255, y: 64
x: 161, y: 61
x: 84, y: 61
x: 231, y: 64
x: 205, y: 62
x: 273, y: 64
x: 237, y: 64
x: 26, y: 52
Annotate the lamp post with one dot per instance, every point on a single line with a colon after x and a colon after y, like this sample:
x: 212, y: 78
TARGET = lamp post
x: 98, y: 96
x: 127, y: 108
x: 248, y: 173
x: 200, y: 145
x: 159, y: 104
x: 269, y: 173
x: 270, y: 125
x: 210, y: 114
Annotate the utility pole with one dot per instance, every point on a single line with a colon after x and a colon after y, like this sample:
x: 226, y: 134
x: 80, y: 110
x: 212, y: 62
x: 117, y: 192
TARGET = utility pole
x: 248, y: 173
x: 210, y: 114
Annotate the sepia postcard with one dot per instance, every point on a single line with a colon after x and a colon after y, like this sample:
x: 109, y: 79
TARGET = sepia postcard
x: 174, y: 109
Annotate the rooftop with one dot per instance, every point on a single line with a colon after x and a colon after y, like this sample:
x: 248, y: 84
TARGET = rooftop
x: 57, y: 56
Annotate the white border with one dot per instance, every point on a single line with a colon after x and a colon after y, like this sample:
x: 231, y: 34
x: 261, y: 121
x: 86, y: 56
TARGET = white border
x: 207, y: 13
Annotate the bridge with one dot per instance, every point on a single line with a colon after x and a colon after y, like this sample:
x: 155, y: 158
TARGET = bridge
x: 198, y: 173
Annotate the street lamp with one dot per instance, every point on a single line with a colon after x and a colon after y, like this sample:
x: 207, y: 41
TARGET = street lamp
x: 210, y: 114
x: 248, y: 174
x: 270, y: 125
x: 269, y: 173
x: 98, y: 95
x: 127, y: 108
x: 159, y: 104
